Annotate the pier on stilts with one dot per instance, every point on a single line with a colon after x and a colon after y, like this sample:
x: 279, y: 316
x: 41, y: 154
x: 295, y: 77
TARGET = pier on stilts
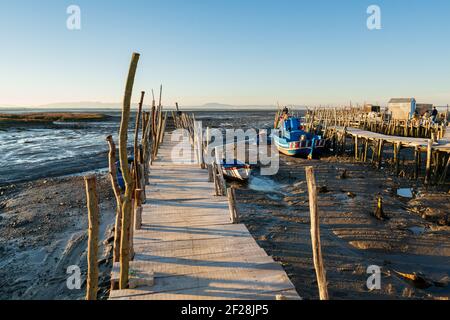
x: 437, y: 159
x: 187, y: 246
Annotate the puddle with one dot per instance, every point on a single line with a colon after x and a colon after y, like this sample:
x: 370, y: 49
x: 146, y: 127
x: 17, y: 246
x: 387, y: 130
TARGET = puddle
x: 344, y: 197
x: 405, y: 193
x: 275, y: 197
x: 264, y: 184
x: 417, y: 231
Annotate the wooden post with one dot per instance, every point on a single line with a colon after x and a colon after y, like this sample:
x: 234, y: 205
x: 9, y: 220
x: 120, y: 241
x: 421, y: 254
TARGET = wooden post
x: 222, y: 183
x: 315, y: 234
x: 380, y: 153
x: 417, y: 162
x: 397, y: 148
x: 136, y: 135
x: 137, y: 209
x: 200, y: 145
x: 143, y: 195
x: 163, y: 131
x: 444, y: 173
x: 344, y: 138
x: 428, y: 168
x: 93, y: 211
x: 366, y: 149
x: 118, y: 195
x: 216, y: 179
x: 356, y: 148
x: 210, y: 173
x: 232, y: 205
x: 126, y: 207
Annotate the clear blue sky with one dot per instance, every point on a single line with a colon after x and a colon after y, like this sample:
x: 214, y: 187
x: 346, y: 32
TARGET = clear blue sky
x: 228, y: 51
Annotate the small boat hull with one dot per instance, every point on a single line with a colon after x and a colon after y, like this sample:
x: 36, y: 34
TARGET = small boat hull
x: 237, y: 173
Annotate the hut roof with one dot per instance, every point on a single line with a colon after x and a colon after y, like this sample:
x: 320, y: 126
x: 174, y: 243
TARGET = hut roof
x: 401, y: 100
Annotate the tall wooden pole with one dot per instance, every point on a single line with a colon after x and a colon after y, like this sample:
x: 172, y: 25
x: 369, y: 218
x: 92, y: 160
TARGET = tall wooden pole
x: 315, y: 235
x: 126, y: 208
x: 93, y: 211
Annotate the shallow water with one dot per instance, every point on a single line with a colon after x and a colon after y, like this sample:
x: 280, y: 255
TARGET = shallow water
x: 29, y: 152
x: 32, y: 152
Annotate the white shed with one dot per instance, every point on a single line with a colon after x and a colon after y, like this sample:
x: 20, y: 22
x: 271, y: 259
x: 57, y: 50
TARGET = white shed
x: 402, y: 108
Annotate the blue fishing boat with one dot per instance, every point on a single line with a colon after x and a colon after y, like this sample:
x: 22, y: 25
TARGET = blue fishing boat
x: 292, y: 140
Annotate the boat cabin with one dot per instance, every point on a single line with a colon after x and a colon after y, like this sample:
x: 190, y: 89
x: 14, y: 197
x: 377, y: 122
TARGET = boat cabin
x: 291, y: 129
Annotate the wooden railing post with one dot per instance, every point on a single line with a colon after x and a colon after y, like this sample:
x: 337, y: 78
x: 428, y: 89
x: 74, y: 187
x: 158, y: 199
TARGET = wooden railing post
x: 93, y: 214
x: 315, y: 234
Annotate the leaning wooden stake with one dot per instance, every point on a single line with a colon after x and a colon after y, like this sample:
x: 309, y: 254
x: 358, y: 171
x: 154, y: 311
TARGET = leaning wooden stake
x: 126, y: 207
x: 315, y: 235
x: 118, y: 195
x: 93, y: 211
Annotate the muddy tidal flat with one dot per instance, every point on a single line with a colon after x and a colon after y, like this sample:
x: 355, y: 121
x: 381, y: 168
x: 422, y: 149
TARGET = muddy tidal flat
x: 43, y: 216
x: 413, y: 240
x: 43, y: 227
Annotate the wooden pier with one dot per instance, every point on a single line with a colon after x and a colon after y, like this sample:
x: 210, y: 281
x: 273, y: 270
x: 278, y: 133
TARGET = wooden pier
x: 187, y: 247
x: 437, y: 151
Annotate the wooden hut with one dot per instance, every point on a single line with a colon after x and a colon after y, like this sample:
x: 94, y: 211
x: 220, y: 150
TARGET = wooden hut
x: 372, y: 108
x: 402, y: 108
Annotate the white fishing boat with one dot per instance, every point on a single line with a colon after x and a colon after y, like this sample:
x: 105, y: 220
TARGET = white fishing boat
x: 236, y: 170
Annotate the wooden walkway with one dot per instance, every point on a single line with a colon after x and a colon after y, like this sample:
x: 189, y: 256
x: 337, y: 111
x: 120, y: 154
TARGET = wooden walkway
x: 190, y: 246
x: 441, y: 145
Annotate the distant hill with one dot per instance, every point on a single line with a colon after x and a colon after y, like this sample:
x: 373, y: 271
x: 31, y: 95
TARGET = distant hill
x: 95, y: 105
x: 81, y: 105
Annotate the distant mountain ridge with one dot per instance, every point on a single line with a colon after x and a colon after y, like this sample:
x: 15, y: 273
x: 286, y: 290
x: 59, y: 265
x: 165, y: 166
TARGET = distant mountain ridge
x: 114, y: 105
